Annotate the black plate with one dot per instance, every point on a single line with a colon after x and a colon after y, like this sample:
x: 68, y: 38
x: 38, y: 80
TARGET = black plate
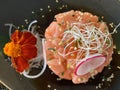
x: 16, y: 11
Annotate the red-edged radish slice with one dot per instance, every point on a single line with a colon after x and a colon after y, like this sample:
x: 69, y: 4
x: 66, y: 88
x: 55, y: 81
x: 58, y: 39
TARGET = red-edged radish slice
x: 89, y: 63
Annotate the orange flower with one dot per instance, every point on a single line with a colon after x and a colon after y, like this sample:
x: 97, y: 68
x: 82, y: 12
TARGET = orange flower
x: 21, y: 49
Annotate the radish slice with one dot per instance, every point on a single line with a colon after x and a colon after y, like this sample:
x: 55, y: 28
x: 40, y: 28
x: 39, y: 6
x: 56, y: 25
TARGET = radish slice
x: 89, y: 63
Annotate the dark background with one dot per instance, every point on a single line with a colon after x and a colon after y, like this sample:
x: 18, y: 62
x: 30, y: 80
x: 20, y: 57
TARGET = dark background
x: 16, y: 11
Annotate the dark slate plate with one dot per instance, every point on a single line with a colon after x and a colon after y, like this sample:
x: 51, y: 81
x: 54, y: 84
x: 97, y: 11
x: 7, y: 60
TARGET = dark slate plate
x: 14, y: 11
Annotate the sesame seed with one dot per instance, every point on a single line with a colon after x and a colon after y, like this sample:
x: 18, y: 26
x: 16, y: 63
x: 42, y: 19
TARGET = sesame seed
x: 96, y: 87
x: 22, y: 26
x: 58, y: 79
x: 48, y: 6
x: 59, y: 62
x: 66, y: 5
x: 52, y: 72
x: 55, y: 89
x: 63, y: 6
x: 33, y: 12
x: 50, y: 10
x: 49, y: 66
x: 103, y: 79
x: 49, y: 86
x: 118, y: 52
x: 114, y: 46
x: 102, y: 17
x: 43, y: 16
x: 41, y: 9
x: 75, y: 48
x: 56, y: 1
x: 18, y: 27
x: 60, y: 8
x: 26, y: 21
x: 118, y: 67
x: 109, y: 67
x: 72, y: 54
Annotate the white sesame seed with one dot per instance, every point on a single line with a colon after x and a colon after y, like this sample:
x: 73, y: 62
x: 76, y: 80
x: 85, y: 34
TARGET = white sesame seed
x: 63, y: 6
x: 75, y: 48
x: 96, y: 87
x: 118, y: 67
x: 26, y: 21
x: 118, y: 52
x: 33, y: 12
x: 58, y: 79
x: 49, y: 66
x: 60, y: 8
x: 114, y: 46
x: 56, y: 1
x: 66, y: 5
x: 50, y: 10
x: 49, y: 86
x: 22, y: 26
x: 102, y: 17
x: 72, y: 54
x: 52, y: 72
x: 41, y: 9
x: 43, y: 16
x: 48, y: 6
x: 18, y: 27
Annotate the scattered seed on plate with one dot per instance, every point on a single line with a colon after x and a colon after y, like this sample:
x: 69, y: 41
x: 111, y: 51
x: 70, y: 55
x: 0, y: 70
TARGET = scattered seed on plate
x: 50, y: 10
x: 55, y: 89
x: 56, y: 1
x: 63, y: 6
x: 22, y: 26
x: 58, y: 79
x: 118, y: 67
x: 41, y: 9
x: 96, y: 87
x: 48, y: 6
x: 43, y: 16
x: 102, y: 17
x: 49, y: 86
x: 18, y: 27
x: 60, y: 8
x: 109, y: 79
x: 66, y: 5
x: 33, y: 12
x: 52, y: 72
x: 118, y: 52
x: 26, y: 21
x: 114, y: 46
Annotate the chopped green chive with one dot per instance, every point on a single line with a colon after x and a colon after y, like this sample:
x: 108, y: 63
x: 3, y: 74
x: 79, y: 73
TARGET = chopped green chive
x: 52, y: 49
x: 62, y: 73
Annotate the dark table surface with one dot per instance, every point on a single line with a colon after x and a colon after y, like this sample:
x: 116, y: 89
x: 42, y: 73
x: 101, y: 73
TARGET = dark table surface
x: 17, y: 11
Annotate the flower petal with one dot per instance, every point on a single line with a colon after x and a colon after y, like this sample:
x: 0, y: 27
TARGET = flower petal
x: 21, y: 64
x: 28, y: 38
x: 29, y: 51
x: 15, y: 37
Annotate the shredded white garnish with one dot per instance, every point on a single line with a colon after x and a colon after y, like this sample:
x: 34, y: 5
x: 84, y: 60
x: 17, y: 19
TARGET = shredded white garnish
x: 10, y: 28
x: 88, y: 38
x: 33, y: 22
x: 36, y: 63
x: 41, y: 55
x: 115, y: 29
